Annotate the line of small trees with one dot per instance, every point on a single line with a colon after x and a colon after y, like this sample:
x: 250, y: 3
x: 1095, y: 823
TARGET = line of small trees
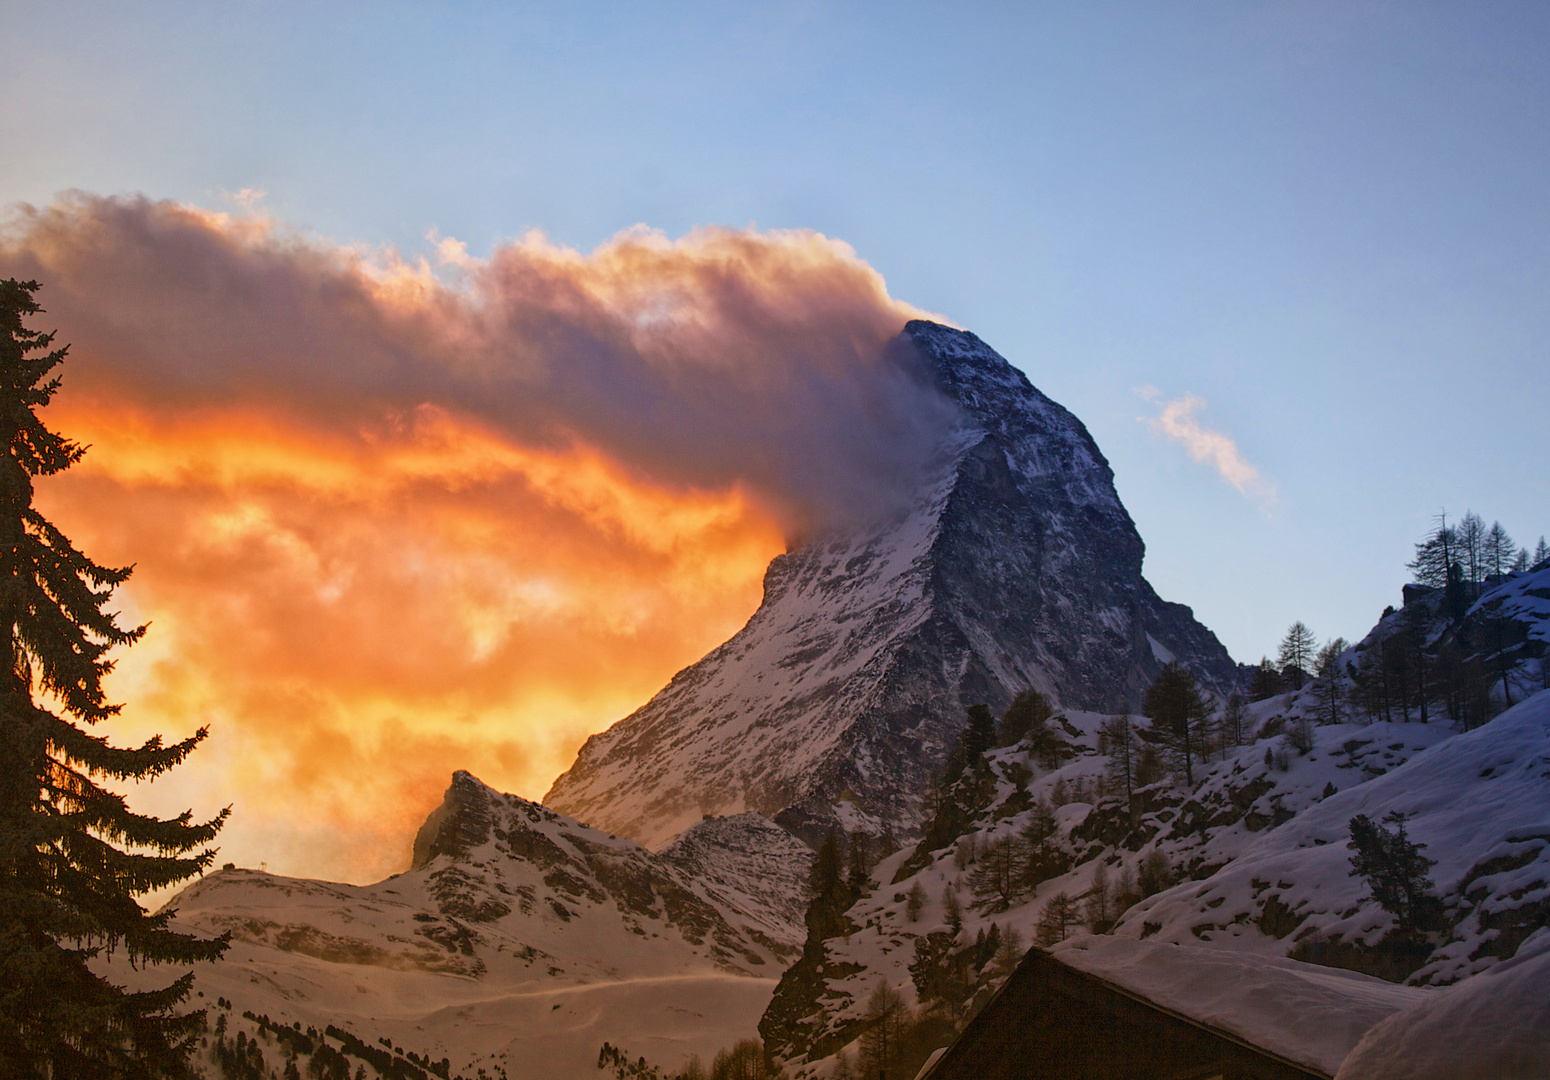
x: 743, y: 1060
x: 1470, y: 554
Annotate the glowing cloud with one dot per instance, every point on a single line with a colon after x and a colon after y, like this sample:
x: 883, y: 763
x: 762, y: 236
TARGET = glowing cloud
x: 1178, y: 423
x: 392, y: 518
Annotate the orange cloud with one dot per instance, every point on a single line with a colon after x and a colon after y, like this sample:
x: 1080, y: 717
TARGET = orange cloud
x: 391, y: 519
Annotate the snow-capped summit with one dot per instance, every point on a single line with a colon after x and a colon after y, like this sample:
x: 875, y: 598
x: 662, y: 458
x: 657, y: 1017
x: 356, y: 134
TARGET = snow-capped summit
x: 1015, y: 565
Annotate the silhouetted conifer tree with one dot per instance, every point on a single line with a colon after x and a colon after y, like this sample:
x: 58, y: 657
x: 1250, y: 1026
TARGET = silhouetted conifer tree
x: 1297, y: 654
x: 1028, y: 713
x: 73, y: 856
x: 1119, y: 740
x: 1436, y: 555
x: 1178, y: 713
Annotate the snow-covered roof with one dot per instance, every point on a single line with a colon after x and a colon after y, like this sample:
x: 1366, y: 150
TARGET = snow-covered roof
x: 1495, y: 1026
x: 1309, y: 1014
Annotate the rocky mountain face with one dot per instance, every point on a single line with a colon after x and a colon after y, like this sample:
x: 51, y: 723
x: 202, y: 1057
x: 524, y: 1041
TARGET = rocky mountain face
x: 1014, y: 566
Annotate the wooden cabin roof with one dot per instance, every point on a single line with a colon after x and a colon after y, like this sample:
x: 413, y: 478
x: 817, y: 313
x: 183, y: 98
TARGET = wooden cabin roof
x: 1104, y: 1007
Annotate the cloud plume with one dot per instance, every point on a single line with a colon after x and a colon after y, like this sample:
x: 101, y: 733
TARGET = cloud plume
x: 392, y: 517
x: 1178, y: 423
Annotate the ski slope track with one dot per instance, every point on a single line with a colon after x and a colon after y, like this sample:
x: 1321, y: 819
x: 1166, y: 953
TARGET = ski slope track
x: 1014, y: 566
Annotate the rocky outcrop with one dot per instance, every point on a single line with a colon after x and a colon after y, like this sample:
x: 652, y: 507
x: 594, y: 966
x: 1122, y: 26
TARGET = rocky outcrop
x: 1015, y: 566
x: 460, y: 824
x: 504, y: 888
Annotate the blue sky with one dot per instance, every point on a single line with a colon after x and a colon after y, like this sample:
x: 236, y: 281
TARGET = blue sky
x: 1330, y: 222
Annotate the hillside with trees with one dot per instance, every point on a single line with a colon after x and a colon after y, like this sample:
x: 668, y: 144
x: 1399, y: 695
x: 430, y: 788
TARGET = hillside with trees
x: 1050, y: 823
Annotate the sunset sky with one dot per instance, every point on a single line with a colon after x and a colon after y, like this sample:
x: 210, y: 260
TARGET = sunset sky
x: 452, y: 371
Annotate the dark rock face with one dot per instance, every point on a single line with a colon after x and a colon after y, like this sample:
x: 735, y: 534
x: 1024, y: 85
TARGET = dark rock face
x: 1015, y: 566
x: 460, y: 824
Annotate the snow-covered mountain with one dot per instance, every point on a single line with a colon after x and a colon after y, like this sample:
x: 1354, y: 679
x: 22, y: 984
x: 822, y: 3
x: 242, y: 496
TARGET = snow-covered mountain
x: 1014, y: 566
x: 518, y: 943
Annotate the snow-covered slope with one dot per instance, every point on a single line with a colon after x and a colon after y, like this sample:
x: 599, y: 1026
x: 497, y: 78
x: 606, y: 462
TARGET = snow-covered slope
x: 1014, y: 566
x: 519, y: 936
x: 1258, y: 845
x: 1479, y: 801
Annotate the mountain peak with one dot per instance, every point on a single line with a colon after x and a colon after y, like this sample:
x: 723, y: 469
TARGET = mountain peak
x: 460, y: 824
x: 1014, y: 565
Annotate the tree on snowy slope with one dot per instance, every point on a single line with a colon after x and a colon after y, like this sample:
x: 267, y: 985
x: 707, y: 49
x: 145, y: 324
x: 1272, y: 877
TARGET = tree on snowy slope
x: 1027, y: 720
x: 1297, y: 653
x: 1436, y: 556
x: 1117, y: 738
x: 1233, y: 727
x: 960, y: 794
x: 999, y: 878
x: 832, y: 893
x: 1179, y: 716
x: 1330, y: 691
x: 1060, y: 914
x: 1395, y: 870
x: 68, y: 869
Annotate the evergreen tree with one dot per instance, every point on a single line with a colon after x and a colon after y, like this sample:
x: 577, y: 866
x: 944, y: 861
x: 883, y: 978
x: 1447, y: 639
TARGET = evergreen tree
x: 1155, y: 874
x: 1044, y: 856
x: 831, y: 893
x: 1178, y: 713
x: 979, y: 735
x: 1126, y: 893
x: 1541, y: 554
x: 952, y: 910
x: 961, y: 793
x: 1009, y: 953
x: 1297, y: 653
x: 1394, y: 869
x: 73, y: 856
x: 858, y: 879
x: 1149, y: 766
x: 1028, y: 715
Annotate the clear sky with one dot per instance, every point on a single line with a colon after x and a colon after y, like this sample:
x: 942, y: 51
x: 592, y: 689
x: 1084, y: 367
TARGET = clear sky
x: 1320, y: 230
